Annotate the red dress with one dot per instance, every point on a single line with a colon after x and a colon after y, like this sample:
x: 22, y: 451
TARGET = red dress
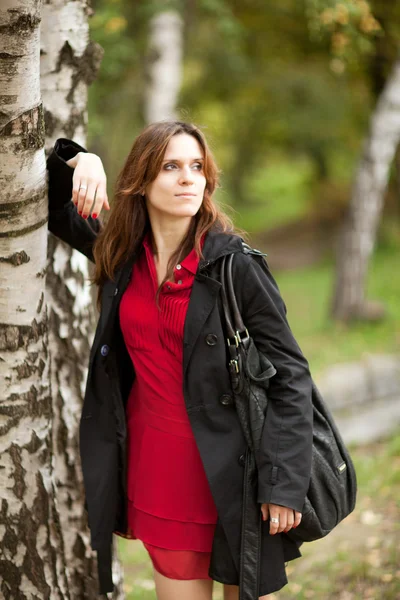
x: 170, y: 506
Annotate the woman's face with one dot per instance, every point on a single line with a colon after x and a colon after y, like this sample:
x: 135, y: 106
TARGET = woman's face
x: 178, y: 189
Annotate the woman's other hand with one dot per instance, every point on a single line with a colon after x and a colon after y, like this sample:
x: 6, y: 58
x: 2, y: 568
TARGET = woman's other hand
x: 287, y: 517
x: 89, y: 184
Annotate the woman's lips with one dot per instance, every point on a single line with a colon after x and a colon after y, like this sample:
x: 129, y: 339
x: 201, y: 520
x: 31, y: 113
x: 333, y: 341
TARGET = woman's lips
x: 186, y: 194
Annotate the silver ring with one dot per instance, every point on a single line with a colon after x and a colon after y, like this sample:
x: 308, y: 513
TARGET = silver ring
x: 274, y: 520
x: 82, y: 187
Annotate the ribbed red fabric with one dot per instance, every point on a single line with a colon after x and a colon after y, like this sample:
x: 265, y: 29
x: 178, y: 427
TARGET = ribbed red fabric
x: 170, y: 503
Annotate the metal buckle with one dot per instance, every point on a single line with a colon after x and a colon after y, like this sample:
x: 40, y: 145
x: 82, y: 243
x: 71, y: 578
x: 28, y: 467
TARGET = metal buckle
x: 235, y: 342
x: 234, y: 363
x: 242, y: 335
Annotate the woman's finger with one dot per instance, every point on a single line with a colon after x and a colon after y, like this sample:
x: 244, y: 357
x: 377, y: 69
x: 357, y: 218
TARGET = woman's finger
x: 264, y: 511
x: 274, y: 514
x: 290, y: 521
x: 77, y: 182
x: 297, y: 518
x: 82, y: 191
x: 282, y: 520
x: 89, y: 199
x: 100, y: 200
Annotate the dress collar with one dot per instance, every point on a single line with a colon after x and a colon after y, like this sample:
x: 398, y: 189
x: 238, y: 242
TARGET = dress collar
x: 190, y: 262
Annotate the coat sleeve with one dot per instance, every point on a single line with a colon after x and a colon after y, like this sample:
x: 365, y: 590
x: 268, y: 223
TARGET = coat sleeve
x: 284, y: 463
x: 64, y: 220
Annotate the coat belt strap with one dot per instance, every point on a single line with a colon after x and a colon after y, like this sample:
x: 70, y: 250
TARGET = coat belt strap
x: 250, y: 553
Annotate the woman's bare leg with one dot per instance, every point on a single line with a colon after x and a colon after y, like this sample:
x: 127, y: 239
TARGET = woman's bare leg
x: 231, y: 592
x: 178, y: 589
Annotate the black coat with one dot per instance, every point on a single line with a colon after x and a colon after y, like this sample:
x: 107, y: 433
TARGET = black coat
x: 284, y: 471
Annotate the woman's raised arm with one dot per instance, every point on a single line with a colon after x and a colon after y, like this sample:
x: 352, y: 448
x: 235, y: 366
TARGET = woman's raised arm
x: 77, y: 187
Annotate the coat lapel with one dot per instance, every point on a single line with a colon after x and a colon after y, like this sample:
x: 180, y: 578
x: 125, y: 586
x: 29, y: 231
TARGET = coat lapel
x: 111, y: 296
x: 202, y: 300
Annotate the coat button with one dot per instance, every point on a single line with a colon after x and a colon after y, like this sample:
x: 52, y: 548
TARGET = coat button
x: 226, y: 399
x: 211, y: 339
x: 242, y: 459
x: 179, y: 267
x: 104, y: 350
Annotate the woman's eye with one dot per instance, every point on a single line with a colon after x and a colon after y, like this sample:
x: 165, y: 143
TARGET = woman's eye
x: 197, y: 166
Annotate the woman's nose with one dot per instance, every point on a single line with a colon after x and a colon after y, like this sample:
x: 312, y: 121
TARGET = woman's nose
x: 186, y: 175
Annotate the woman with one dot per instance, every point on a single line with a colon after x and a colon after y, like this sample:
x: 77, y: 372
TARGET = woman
x: 161, y: 446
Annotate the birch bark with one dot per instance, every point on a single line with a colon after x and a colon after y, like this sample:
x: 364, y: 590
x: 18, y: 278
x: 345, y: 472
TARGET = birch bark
x: 69, y: 63
x: 357, y: 238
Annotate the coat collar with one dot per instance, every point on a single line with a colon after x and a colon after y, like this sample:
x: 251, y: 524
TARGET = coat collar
x: 217, y: 244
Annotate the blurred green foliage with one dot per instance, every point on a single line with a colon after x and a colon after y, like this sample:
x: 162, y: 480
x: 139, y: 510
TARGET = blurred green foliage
x: 269, y: 82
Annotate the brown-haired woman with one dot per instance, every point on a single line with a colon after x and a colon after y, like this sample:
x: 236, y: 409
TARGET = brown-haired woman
x: 161, y: 445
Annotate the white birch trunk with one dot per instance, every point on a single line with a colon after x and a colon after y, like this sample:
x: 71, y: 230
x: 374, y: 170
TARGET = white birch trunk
x: 69, y: 63
x: 357, y: 238
x: 164, y: 66
x: 31, y: 565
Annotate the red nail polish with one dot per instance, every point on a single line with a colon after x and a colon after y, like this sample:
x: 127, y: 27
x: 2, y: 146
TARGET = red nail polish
x: 94, y: 216
x: 85, y: 216
x: 80, y: 212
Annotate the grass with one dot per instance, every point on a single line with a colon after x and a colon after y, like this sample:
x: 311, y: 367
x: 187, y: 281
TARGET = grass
x: 359, y: 560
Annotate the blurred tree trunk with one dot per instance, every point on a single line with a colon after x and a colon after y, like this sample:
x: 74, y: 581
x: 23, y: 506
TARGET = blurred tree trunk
x: 69, y: 63
x: 356, y: 242
x: 32, y: 561
x: 163, y: 66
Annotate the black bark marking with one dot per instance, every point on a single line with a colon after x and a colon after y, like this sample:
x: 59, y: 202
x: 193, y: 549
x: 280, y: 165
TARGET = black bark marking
x: 20, y: 23
x: 25, y: 370
x: 15, y: 207
x: 19, y: 487
x: 11, y: 580
x: 50, y: 123
x: 22, y: 232
x: 30, y: 521
x: 28, y: 405
x: 4, y: 100
x: 34, y: 444
x: 8, y: 56
x: 28, y: 127
x: 13, y: 337
x: 16, y: 259
x: 10, y: 540
x: 40, y: 303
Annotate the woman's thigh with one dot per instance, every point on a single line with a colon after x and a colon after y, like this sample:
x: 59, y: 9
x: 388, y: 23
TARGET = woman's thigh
x: 231, y: 592
x: 180, y: 589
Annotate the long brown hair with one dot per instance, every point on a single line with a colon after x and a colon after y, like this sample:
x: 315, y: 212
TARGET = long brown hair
x: 128, y: 219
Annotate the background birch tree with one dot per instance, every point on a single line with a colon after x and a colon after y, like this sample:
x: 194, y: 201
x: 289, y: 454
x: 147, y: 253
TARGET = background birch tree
x: 357, y: 239
x: 163, y: 66
x: 69, y: 64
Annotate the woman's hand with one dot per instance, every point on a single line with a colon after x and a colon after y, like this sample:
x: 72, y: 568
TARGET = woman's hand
x: 89, y: 191
x: 288, y: 517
